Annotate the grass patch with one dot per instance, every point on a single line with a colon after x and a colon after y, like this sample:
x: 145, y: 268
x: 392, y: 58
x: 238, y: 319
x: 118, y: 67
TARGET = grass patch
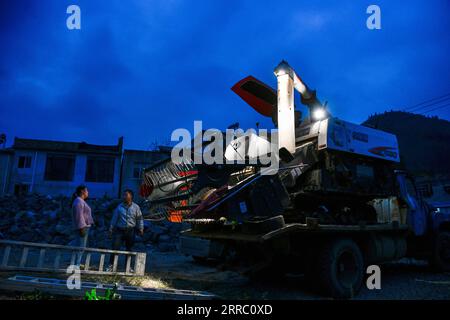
x: 139, y: 281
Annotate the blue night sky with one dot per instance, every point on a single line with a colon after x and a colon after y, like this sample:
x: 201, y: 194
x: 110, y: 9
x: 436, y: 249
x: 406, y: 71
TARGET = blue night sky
x: 143, y: 68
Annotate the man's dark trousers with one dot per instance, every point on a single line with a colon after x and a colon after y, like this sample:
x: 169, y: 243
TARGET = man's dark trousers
x: 121, y: 235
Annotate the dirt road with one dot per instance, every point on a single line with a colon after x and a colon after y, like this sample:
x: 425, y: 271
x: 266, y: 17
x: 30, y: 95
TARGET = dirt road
x: 402, y: 280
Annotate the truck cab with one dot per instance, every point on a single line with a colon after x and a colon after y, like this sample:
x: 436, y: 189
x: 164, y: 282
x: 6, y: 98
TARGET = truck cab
x: 429, y: 226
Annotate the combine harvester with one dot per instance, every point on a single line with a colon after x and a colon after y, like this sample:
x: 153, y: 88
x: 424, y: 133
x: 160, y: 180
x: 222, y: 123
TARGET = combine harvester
x: 338, y: 203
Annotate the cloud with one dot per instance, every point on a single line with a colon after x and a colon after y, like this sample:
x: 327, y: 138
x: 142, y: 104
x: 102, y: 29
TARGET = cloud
x: 143, y: 68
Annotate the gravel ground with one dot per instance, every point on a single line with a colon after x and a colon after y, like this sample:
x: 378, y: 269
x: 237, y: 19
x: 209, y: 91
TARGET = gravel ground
x: 407, y: 279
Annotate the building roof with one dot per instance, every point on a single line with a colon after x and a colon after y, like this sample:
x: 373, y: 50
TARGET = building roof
x: 7, y: 150
x: 130, y: 151
x: 63, y: 146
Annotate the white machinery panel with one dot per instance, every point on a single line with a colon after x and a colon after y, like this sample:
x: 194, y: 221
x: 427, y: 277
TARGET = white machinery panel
x: 350, y: 137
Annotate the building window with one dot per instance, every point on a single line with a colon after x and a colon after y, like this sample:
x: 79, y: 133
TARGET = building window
x: 138, y: 172
x: 425, y: 190
x: 21, y: 189
x: 59, y: 167
x: 100, y: 169
x: 24, y: 162
x: 447, y: 188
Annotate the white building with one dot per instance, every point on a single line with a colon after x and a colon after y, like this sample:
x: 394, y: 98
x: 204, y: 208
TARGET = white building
x: 133, y: 164
x: 57, y: 168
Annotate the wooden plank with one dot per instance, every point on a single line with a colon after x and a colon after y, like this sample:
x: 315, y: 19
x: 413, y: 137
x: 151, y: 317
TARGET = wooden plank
x: 41, y: 258
x: 101, y: 263
x: 87, y: 262
x: 6, y: 256
x: 23, y: 259
x: 116, y: 259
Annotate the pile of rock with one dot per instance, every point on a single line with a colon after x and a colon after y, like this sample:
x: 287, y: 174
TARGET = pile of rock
x: 37, y: 218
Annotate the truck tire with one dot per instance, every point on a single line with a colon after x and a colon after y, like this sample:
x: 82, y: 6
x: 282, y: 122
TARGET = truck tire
x: 441, y: 252
x: 340, y: 269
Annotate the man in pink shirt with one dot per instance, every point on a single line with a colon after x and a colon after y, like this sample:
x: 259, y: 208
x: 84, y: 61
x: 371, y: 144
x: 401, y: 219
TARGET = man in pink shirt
x: 81, y: 217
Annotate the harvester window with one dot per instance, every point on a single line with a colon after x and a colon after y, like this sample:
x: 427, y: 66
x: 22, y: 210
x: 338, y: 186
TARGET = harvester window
x: 425, y: 190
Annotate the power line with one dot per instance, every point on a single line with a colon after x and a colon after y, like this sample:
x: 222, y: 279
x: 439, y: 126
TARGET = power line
x: 426, y: 103
x: 419, y: 106
x: 432, y: 106
x: 440, y: 107
x: 409, y: 115
x: 445, y: 100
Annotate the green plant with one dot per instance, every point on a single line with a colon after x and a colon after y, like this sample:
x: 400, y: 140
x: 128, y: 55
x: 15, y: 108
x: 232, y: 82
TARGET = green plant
x: 109, y: 294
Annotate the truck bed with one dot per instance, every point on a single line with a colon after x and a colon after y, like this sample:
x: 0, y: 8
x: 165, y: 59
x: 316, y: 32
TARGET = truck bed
x: 225, y: 233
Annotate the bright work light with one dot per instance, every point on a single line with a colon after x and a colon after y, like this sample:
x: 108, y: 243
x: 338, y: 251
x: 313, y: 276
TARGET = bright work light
x: 319, y: 114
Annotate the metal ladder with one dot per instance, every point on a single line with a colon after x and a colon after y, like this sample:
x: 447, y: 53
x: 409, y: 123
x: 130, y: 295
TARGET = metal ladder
x: 42, y: 257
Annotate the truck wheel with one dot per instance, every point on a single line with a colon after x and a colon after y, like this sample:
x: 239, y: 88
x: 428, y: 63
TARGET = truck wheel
x: 441, y: 251
x: 340, y: 269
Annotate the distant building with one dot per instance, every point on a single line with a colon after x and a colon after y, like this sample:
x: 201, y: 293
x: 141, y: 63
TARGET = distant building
x: 57, y: 167
x: 6, y: 161
x: 133, y: 164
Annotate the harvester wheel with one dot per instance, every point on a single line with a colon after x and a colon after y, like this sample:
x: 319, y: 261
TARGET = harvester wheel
x: 441, y: 252
x: 340, y: 269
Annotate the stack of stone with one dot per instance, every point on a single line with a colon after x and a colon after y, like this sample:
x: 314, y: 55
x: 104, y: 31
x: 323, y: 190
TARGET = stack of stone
x: 45, y: 219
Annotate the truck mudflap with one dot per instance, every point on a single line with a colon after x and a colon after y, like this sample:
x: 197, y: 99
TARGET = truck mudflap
x: 230, y: 234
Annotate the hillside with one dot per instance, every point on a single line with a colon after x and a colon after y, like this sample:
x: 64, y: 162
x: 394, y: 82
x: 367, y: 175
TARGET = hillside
x: 424, y: 141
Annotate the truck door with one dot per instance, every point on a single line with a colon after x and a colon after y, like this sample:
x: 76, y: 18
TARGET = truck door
x: 417, y: 211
